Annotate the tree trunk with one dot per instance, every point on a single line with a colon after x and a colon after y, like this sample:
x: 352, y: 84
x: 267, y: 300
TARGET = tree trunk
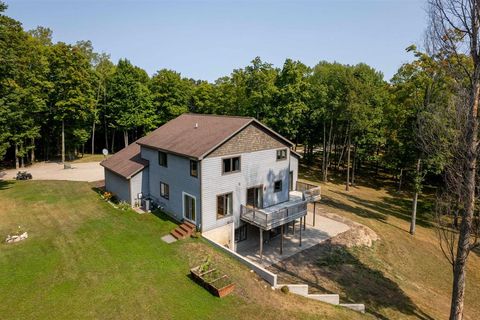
x: 415, y: 199
x: 32, y: 151
x: 347, y: 186
x: 63, y: 141
x: 354, y: 163
x: 17, y: 163
x: 400, y: 180
x: 113, y: 140
x: 125, y: 137
x: 106, y: 135
x: 347, y: 133
x: 324, y: 147
x: 93, y: 137
x: 468, y: 186
x: 327, y: 161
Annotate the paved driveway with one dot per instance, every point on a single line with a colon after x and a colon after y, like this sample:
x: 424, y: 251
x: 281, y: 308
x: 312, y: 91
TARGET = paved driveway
x: 89, y: 171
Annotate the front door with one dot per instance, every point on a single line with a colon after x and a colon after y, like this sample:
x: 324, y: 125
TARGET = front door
x: 255, y: 197
x: 189, y: 207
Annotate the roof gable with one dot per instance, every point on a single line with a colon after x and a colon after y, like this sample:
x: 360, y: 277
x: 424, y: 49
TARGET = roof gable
x: 254, y: 137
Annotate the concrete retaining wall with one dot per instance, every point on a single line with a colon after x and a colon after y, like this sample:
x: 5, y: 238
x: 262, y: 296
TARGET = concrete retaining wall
x: 266, y: 275
x: 224, y: 235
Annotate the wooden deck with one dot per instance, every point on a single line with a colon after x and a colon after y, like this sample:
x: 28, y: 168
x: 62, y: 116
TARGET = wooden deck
x: 282, y: 213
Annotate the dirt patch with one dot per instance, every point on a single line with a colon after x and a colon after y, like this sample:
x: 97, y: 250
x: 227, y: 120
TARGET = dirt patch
x: 89, y: 171
x: 358, y: 234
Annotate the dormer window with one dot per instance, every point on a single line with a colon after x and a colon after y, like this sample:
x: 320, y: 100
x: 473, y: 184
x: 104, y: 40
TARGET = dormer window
x: 281, y: 154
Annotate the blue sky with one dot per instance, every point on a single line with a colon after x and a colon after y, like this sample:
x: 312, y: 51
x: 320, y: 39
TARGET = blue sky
x: 208, y: 39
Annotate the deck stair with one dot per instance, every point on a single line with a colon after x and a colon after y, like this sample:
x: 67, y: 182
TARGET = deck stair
x: 183, y: 231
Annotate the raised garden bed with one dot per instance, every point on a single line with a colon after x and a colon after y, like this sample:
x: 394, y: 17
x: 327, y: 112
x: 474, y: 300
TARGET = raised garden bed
x: 213, y: 280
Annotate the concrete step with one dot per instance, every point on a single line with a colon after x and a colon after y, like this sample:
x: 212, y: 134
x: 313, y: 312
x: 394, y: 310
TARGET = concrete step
x: 300, y: 289
x: 328, y: 298
x: 360, y: 307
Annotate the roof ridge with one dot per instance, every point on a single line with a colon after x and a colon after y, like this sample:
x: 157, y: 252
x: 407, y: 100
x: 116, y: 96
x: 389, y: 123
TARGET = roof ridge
x: 216, y: 115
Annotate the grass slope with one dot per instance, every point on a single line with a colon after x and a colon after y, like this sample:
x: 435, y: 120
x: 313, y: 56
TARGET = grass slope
x: 84, y: 259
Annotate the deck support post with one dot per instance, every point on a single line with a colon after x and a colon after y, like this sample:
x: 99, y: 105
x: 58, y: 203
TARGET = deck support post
x: 261, y: 243
x: 305, y: 222
x: 314, y: 212
x: 281, y: 240
x: 300, y: 232
x: 293, y: 224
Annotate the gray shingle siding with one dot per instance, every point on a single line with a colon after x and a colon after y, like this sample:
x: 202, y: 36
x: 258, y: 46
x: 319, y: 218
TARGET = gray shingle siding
x: 177, y: 176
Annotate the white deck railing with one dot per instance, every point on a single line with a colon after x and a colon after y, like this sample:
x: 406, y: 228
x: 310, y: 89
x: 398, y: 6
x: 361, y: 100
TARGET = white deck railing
x: 273, y: 219
x: 291, y: 211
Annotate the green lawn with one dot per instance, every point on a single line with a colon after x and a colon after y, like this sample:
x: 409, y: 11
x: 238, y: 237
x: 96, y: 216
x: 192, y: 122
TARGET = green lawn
x: 85, y: 259
x: 89, y: 158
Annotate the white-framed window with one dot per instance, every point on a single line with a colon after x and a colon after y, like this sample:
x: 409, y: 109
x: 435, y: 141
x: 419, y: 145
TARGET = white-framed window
x: 230, y: 165
x: 164, y: 190
x: 224, y: 205
x: 281, y: 154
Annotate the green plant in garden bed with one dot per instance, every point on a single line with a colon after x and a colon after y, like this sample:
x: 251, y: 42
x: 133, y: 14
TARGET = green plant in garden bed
x: 212, y: 279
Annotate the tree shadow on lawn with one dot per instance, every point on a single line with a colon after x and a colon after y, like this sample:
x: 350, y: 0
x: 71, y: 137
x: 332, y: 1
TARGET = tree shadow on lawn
x: 326, y: 262
x: 380, y: 210
x: 4, y: 184
x: 164, y: 217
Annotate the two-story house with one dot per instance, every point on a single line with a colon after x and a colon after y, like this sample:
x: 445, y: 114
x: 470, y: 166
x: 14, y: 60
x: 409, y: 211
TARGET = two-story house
x: 209, y: 170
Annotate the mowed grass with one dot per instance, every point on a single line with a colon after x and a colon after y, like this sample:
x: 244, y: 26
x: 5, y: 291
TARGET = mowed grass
x: 85, y: 259
x: 89, y: 158
x: 401, y: 276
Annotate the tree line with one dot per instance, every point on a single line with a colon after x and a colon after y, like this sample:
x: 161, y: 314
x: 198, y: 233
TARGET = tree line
x: 61, y: 99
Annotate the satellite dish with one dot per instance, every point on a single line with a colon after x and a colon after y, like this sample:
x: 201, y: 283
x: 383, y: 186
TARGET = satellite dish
x: 105, y: 152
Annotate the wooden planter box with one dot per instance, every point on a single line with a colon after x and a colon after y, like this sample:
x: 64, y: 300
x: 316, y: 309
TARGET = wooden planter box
x: 219, y: 286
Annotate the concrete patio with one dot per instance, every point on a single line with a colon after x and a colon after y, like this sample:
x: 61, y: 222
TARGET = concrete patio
x: 324, y: 229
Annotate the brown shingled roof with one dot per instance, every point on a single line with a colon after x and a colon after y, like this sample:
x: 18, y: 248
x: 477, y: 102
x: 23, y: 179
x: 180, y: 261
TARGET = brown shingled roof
x: 126, y: 162
x: 189, y: 135
x: 194, y: 135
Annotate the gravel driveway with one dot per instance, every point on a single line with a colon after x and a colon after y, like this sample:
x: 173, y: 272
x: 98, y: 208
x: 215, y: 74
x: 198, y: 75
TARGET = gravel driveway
x: 89, y: 171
